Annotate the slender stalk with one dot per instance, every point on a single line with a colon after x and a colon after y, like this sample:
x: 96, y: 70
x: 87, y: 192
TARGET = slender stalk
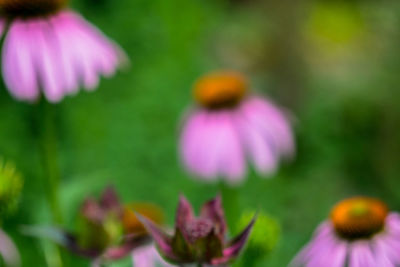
x: 47, y: 136
x: 230, y: 197
x: 49, y: 157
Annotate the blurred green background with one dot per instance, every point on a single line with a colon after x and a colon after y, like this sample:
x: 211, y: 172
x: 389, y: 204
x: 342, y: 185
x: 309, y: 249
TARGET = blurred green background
x: 334, y: 64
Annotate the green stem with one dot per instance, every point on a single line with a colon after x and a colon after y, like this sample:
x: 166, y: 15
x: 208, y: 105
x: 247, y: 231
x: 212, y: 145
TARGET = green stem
x: 230, y: 198
x: 48, y: 146
x: 51, y: 174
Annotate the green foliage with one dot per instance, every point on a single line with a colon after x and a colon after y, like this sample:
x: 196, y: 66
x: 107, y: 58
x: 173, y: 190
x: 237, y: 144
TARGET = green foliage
x: 264, y: 237
x: 11, y: 184
x: 126, y: 132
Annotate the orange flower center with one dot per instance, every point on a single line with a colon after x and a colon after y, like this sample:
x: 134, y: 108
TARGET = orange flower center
x: 359, y: 217
x: 30, y: 8
x: 131, y: 223
x: 220, y: 90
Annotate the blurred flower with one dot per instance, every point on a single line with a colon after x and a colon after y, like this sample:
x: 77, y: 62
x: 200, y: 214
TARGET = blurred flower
x: 9, y: 251
x: 361, y: 232
x: 229, y: 126
x: 265, y: 236
x: 10, y: 188
x: 53, y: 49
x: 107, y: 231
x: 198, y: 240
x: 147, y: 256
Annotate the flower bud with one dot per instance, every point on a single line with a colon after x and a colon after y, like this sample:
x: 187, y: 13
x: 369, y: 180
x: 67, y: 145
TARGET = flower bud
x: 266, y: 234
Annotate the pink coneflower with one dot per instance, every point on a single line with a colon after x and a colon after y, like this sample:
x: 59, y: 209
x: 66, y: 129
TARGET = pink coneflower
x: 361, y: 232
x: 230, y: 125
x: 52, y: 51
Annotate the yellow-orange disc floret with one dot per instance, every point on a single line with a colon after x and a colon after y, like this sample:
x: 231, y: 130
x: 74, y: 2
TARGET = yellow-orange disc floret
x: 220, y: 90
x: 30, y: 8
x: 131, y: 223
x: 359, y: 217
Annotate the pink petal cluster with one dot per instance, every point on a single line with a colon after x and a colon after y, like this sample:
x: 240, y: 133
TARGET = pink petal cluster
x: 56, y: 55
x: 217, y: 143
x: 330, y: 250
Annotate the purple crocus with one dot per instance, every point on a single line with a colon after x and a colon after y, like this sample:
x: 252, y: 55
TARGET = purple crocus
x: 108, y: 231
x: 198, y: 240
x: 52, y: 51
x: 361, y: 232
x: 231, y: 125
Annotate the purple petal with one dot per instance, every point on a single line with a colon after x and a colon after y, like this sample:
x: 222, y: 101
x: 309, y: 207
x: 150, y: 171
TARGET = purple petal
x: 18, y: 62
x: 322, y: 249
x: 9, y: 251
x: 92, y: 53
x: 232, y: 163
x: 211, y: 147
x: 195, y: 146
x: 259, y: 145
x: 387, y: 248
x: 79, y: 50
x: 47, y: 62
x: 162, y: 240
x: 271, y: 122
x: 236, y: 245
x: 361, y: 255
x: 213, y: 210
x: 66, y: 47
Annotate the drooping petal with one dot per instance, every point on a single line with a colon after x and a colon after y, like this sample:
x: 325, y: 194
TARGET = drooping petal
x: 387, y: 248
x: 261, y: 149
x: 393, y: 224
x: 361, y: 255
x: 385, y: 255
x: 327, y: 251
x: 47, y: 63
x: 90, y: 51
x: 198, y: 153
x: 235, y: 246
x: 8, y: 251
x: 56, y: 54
x: 66, y: 45
x: 271, y: 122
x: 211, y: 146
x: 162, y: 240
x: 214, y: 211
x: 232, y: 162
x: 318, y: 251
x: 19, y: 63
